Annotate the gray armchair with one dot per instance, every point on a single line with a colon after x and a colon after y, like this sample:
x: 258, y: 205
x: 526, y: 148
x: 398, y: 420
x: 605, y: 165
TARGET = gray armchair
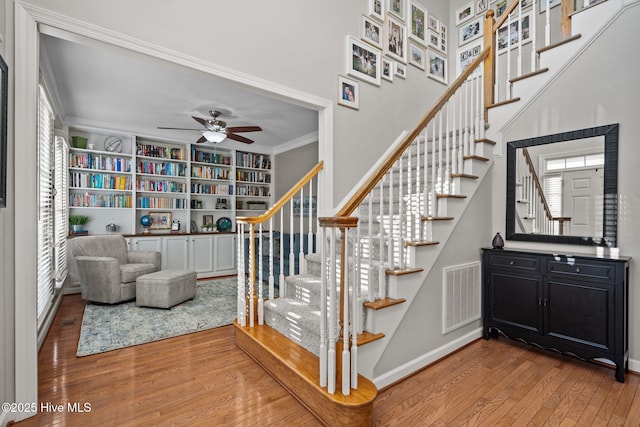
x: 108, y: 270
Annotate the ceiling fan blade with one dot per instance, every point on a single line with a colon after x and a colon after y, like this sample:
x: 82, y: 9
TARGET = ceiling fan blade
x: 203, y: 122
x: 239, y: 138
x: 244, y: 129
x: 201, y: 140
x: 162, y: 127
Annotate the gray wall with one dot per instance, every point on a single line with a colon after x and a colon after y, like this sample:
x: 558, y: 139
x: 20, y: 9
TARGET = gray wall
x: 601, y: 87
x: 292, y: 165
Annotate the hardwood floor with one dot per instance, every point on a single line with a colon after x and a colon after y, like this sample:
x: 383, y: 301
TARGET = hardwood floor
x: 204, y: 379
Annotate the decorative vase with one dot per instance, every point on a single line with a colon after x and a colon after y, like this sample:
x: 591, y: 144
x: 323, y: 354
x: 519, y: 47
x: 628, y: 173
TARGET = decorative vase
x: 77, y: 227
x: 497, y: 242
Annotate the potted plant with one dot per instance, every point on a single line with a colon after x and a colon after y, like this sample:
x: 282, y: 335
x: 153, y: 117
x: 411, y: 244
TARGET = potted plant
x: 78, y: 222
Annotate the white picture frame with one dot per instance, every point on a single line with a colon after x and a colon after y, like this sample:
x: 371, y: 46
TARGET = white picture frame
x: 400, y: 70
x: 481, y: 6
x: 417, y: 22
x: 552, y: 4
x: 466, y: 54
x: 395, y: 39
x: 398, y: 8
x: 470, y: 31
x: 348, y: 92
x: 443, y: 38
x: 376, y: 9
x: 417, y: 55
x: 371, y: 31
x: 363, y: 61
x: 437, y: 68
x: 388, y: 69
x: 433, y: 39
x: 465, y: 13
x: 518, y: 28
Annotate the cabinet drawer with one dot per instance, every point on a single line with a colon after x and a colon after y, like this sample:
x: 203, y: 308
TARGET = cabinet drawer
x: 515, y: 261
x: 585, y: 270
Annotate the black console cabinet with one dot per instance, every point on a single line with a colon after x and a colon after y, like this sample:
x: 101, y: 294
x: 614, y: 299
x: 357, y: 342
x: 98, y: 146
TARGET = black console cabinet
x: 572, y: 304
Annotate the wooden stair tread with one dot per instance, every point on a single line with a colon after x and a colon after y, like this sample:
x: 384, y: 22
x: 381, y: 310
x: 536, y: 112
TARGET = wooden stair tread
x: 464, y: 175
x: 451, y: 196
x: 366, y: 337
x: 560, y: 43
x: 475, y: 157
x: 421, y: 243
x: 505, y: 102
x: 485, y: 141
x: 383, y: 303
x: 402, y: 271
x: 296, y: 369
x: 437, y: 218
x: 527, y: 75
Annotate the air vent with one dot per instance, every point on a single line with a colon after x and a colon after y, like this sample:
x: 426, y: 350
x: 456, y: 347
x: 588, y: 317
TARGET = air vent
x: 461, y: 295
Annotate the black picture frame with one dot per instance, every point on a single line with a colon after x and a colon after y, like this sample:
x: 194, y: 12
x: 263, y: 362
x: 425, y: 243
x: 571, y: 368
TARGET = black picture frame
x: 610, y: 190
x: 4, y: 105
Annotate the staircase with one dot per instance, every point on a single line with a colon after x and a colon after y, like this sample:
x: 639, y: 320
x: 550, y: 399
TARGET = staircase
x: 326, y: 334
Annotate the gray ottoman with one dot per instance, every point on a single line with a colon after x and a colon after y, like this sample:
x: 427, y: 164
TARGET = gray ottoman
x: 165, y: 288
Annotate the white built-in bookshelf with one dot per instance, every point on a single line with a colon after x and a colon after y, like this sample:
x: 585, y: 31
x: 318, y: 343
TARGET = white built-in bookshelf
x: 195, y: 184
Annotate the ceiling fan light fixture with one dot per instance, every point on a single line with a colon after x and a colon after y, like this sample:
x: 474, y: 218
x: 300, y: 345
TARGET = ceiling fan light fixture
x: 214, y: 137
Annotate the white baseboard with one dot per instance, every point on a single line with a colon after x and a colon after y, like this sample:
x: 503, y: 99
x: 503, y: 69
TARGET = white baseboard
x: 418, y: 363
x: 4, y: 418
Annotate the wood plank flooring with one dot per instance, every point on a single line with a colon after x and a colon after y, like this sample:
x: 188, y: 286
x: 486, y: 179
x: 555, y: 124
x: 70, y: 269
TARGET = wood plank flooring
x: 204, y: 379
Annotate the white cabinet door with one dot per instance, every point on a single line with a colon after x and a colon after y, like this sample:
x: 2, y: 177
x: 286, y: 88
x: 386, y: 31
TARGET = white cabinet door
x: 225, y: 253
x: 151, y: 243
x: 202, y: 253
x: 175, y: 253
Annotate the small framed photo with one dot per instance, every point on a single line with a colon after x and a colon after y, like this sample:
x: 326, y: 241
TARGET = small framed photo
x: 207, y: 220
x: 348, y: 92
x: 443, y: 38
x: 387, y: 69
x: 515, y: 31
x: 552, y: 4
x: 417, y: 19
x: 160, y: 220
x: 363, y: 61
x: 436, y: 66
x: 416, y: 55
x: 398, y: 8
x: 434, y: 23
x: 525, y: 3
x: 395, y: 43
x: 376, y: 9
x: 466, y: 54
x: 371, y: 32
x: 499, y: 7
x: 401, y: 70
x: 482, y: 6
x: 470, y: 31
x: 588, y: 3
x: 465, y: 13
x: 434, y: 39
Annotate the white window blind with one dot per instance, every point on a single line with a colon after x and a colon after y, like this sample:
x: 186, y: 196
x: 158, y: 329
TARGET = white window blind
x: 45, y: 204
x: 61, y: 212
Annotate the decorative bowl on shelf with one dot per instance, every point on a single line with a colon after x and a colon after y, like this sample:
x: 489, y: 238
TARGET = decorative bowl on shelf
x: 223, y: 224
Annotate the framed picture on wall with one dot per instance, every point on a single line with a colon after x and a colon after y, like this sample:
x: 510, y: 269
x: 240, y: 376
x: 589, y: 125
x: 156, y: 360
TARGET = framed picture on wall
x: 398, y: 8
x: 4, y: 94
x: 376, y: 9
x: 395, y: 43
x: 552, y: 4
x: 481, y: 6
x: 161, y: 220
x: 470, y: 31
x: 363, y: 61
x: 515, y: 31
x: 400, y: 70
x: 466, y: 54
x: 417, y: 19
x: 436, y: 66
x: 371, y: 32
x: 387, y: 69
x: 348, y: 92
x: 416, y: 55
x: 464, y: 13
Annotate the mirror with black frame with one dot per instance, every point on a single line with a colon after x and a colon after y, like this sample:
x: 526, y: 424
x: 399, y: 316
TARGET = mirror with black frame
x: 563, y: 188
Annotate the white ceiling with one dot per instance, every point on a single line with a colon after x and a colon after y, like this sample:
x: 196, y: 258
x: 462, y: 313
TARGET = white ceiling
x: 113, y: 88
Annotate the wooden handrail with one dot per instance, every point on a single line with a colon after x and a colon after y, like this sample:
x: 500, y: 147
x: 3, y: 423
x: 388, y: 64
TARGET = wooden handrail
x: 536, y: 181
x: 355, y: 200
x: 284, y: 199
x: 505, y: 15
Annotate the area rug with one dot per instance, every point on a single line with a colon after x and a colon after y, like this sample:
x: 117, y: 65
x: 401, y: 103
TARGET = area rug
x: 109, y: 327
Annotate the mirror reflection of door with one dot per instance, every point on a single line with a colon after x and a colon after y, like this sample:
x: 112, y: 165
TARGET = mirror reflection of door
x: 582, y: 201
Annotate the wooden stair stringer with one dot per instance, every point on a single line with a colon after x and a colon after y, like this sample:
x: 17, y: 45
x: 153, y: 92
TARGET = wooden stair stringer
x: 297, y: 370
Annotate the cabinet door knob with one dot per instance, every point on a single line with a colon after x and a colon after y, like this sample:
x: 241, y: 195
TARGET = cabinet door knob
x: 511, y: 262
x: 577, y: 269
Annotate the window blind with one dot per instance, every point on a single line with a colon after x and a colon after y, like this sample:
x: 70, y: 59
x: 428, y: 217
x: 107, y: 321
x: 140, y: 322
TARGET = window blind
x: 46, y: 236
x: 61, y: 212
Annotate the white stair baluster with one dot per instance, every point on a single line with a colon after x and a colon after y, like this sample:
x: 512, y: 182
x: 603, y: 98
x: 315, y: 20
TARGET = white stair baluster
x: 260, y: 279
x: 301, y: 260
x: 331, y: 359
x: 271, y: 279
x: 346, y: 358
x: 323, y: 307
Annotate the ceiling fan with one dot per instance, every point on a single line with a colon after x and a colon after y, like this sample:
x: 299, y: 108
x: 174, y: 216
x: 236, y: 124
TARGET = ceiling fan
x: 216, y: 130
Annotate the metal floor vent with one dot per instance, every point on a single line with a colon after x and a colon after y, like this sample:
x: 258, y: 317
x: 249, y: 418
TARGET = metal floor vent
x: 460, y: 295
